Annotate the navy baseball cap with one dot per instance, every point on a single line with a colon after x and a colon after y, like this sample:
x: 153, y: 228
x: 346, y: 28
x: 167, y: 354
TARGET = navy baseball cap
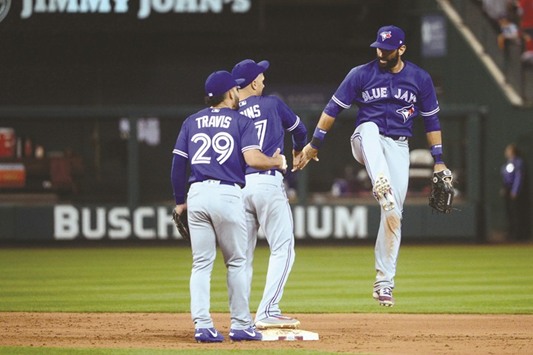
x: 219, y: 82
x: 389, y: 38
x: 249, y: 70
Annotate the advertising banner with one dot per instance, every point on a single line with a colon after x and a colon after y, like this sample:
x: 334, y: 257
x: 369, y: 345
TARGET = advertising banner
x: 151, y: 223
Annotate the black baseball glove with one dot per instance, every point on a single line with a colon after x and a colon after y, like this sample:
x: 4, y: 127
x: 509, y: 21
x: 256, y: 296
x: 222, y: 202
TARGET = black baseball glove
x: 442, y: 192
x: 181, y: 224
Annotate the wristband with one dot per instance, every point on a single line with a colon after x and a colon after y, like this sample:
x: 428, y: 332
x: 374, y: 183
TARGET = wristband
x: 436, y: 152
x: 318, y: 138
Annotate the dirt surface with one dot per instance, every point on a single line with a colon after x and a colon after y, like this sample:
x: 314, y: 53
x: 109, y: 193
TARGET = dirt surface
x: 344, y: 333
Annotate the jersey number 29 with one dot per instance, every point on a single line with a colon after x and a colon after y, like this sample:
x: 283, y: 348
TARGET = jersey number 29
x: 222, y: 143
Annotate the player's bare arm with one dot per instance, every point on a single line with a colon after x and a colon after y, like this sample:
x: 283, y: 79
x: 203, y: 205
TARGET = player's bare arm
x: 256, y: 159
x: 434, y: 139
x: 310, y: 151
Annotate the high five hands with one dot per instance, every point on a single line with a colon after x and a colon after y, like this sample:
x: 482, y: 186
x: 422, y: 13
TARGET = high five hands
x: 301, y: 159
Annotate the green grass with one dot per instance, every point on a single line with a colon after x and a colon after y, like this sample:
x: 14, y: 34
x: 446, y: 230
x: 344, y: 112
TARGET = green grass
x: 430, y: 279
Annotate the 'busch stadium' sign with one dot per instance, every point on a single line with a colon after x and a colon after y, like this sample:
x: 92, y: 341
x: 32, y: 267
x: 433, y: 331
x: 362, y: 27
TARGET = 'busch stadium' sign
x: 152, y: 223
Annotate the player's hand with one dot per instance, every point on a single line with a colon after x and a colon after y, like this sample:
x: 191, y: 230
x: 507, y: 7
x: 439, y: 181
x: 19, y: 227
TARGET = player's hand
x: 180, y: 208
x: 439, y: 167
x: 296, y: 157
x: 282, y: 160
x: 302, y: 159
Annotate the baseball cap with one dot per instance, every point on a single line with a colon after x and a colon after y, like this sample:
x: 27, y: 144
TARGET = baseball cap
x: 249, y: 70
x: 219, y: 82
x: 389, y: 38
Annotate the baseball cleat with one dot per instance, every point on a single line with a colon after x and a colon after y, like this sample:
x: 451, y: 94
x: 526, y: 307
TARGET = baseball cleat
x: 383, y: 193
x: 245, y: 334
x: 277, y: 322
x: 384, y: 297
x: 208, y: 335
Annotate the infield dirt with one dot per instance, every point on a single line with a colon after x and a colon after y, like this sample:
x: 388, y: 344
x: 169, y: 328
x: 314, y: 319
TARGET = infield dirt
x: 345, y: 333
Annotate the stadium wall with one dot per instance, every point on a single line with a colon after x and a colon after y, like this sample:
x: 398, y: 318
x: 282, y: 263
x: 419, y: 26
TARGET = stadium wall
x: 312, y: 223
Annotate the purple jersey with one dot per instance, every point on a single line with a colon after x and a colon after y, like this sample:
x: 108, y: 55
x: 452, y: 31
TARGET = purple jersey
x: 390, y: 100
x: 272, y: 117
x: 213, y: 141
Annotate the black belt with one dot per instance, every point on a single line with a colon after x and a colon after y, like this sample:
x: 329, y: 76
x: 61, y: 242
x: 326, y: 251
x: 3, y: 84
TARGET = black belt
x: 222, y: 182
x: 398, y: 138
x: 229, y: 183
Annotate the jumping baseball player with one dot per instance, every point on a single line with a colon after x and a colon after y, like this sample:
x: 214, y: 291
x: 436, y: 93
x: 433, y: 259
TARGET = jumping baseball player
x: 218, y: 143
x: 389, y: 93
x: 265, y: 198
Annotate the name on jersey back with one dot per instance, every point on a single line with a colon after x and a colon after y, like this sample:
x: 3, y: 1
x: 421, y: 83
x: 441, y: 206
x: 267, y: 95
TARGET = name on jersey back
x: 206, y: 121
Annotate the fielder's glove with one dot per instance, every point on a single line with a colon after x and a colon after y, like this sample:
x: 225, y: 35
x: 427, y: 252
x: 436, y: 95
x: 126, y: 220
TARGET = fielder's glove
x: 442, y: 192
x: 181, y: 224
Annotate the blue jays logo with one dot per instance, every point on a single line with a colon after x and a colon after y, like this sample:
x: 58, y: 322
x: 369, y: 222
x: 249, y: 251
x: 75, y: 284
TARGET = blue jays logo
x: 385, y: 35
x: 406, y: 112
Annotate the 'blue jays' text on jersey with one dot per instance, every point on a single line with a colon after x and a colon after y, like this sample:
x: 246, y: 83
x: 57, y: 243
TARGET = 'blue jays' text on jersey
x: 214, y: 140
x: 271, y: 118
x: 390, y: 100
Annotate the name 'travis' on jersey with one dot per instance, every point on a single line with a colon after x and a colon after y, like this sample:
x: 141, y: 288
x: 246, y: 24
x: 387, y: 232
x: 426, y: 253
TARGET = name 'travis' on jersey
x: 213, y: 121
x: 383, y: 92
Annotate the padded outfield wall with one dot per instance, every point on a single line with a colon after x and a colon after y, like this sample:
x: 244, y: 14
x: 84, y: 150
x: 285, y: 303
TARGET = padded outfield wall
x: 128, y: 197
x: 312, y: 223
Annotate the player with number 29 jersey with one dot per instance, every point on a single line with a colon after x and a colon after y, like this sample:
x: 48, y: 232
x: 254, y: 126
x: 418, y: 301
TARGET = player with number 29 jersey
x: 218, y: 143
x: 219, y: 157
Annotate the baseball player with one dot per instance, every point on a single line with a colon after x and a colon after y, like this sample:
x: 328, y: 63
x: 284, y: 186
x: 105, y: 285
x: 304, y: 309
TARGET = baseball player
x: 389, y: 93
x: 515, y: 191
x: 265, y: 198
x: 218, y: 143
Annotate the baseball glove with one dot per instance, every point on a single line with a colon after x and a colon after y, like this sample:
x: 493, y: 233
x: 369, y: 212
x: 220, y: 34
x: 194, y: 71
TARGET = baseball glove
x: 181, y: 224
x: 442, y: 192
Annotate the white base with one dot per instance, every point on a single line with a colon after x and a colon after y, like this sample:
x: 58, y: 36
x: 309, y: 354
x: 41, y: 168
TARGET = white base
x: 288, y: 335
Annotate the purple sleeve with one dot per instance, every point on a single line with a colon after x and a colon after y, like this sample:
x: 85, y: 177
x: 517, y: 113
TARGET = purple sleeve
x: 249, y: 137
x: 333, y: 109
x: 292, y: 123
x: 178, y: 178
x: 344, y: 95
x: 429, y: 105
x: 299, y: 136
x: 178, y: 174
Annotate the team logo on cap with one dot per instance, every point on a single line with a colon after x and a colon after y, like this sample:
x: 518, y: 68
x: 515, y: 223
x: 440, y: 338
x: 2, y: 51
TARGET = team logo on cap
x: 4, y: 8
x: 385, y: 35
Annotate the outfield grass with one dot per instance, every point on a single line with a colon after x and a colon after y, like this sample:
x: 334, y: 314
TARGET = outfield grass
x: 430, y: 279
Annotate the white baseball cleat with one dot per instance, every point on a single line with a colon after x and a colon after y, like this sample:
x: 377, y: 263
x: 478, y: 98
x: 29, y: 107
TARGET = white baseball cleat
x: 383, y: 193
x: 384, y: 297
